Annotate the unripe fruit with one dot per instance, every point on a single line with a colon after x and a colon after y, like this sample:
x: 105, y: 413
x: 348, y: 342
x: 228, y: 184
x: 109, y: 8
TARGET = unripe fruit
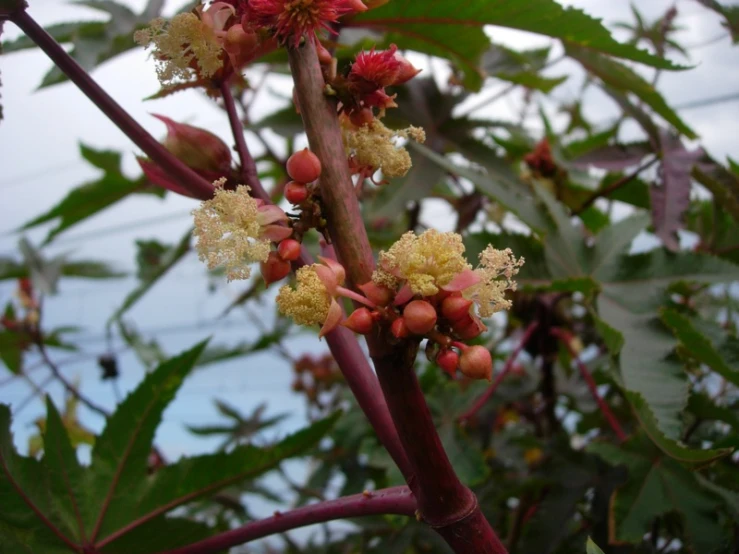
x: 304, y: 166
x: 448, y: 360
x: 455, y: 308
x: 476, y: 363
x: 468, y: 327
x: 420, y: 317
x: 360, y: 321
x: 274, y: 269
x: 289, y: 250
x: 296, y: 193
x: 399, y: 329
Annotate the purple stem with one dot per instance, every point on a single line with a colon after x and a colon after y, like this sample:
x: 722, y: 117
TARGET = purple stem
x: 199, y: 187
x: 397, y: 500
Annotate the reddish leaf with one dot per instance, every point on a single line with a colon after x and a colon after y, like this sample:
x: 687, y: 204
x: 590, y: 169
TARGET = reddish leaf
x: 614, y: 157
x: 671, y: 199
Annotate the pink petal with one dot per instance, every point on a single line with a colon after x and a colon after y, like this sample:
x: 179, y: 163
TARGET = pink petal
x: 270, y: 214
x: 403, y: 296
x: 276, y: 233
x: 335, y: 313
x: 336, y: 267
x: 328, y: 278
x: 462, y: 281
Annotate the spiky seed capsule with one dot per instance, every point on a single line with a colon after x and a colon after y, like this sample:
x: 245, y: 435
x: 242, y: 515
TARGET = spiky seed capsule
x: 420, y: 317
x: 304, y: 166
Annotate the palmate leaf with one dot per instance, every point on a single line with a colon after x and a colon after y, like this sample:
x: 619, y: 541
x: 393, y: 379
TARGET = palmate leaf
x: 453, y: 30
x: 592, y: 548
x: 95, y: 196
x: 658, y: 485
x: 55, y: 505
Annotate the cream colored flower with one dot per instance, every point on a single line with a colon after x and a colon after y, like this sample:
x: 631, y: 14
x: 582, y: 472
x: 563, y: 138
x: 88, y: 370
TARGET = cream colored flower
x: 426, y: 263
x: 235, y: 230
x: 496, y: 271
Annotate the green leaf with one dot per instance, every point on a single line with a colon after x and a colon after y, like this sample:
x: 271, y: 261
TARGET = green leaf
x: 723, y: 184
x: 61, y: 32
x: 92, y: 197
x: 11, y: 351
x: 535, y: 269
x: 167, y: 261
x: 632, y: 288
x: 193, y: 478
x: 119, y: 457
x: 730, y: 13
x: 455, y: 30
x: 86, y: 269
x: 592, y: 548
x: 521, y: 68
x: 658, y: 485
x: 698, y: 346
x: 622, y: 78
x: 499, y: 183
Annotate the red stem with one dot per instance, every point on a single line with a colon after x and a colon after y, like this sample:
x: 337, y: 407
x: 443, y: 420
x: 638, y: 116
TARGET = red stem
x: 444, y: 502
x: 248, y: 167
x: 564, y: 337
x: 397, y: 500
x: 199, y: 187
x: 485, y: 396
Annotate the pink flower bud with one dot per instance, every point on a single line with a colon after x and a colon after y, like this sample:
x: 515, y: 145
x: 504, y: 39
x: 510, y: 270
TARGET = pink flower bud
x: 476, y: 363
x: 324, y: 56
x: 197, y: 148
x: 355, y: 5
x: 377, y: 294
x: 399, y: 329
x: 288, y: 250
x: 420, y: 317
x: 304, y: 166
x: 455, y: 308
x: 296, y: 193
x: 360, y: 321
x: 448, y: 360
x: 362, y: 117
x: 274, y: 268
x: 406, y: 71
x: 468, y: 327
x: 240, y: 45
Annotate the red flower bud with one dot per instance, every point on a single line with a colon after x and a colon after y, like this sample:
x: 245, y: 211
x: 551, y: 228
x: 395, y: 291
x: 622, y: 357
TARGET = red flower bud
x: 304, y: 166
x: 455, y: 308
x: 296, y: 193
x: 476, y: 363
x: 376, y: 294
x: 274, y: 269
x: 360, y: 321
x: 355, y: 5
x: 197, y: 148
x: 240, y: 45
x: 399, y: 329
x: 324, y: 56
x: 288, y: 250
x: 362, y: 117
x: 448, y: 360
x: 420, y: 317
x: 406, y: 71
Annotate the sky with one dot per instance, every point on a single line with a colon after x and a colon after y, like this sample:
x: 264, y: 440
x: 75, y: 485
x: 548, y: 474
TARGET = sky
x: 39, y: 141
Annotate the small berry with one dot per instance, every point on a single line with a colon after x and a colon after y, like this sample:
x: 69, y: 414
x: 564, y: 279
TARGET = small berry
x: 476, y: 363
x: 360, y: 321
x: 296, y: 193
x: 399, y: 329
x: 274, y: 269
x: 289, y: 250
x: 448, y: 360
x: 304, y: 166
x: 420, y: 317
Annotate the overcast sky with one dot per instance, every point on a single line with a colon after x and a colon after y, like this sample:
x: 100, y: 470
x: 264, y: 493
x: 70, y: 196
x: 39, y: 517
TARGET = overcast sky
x: 40, y: 164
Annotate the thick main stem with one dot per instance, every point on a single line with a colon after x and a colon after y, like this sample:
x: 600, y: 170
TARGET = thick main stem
x: 194, y: 183
x: 444, y: 502
x: 397, y: 500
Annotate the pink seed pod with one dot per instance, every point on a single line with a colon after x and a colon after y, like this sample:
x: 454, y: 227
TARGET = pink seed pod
x: 274, y: 269
x: 289, y: 250
x: 455, y: 308
x: 420, y: 317
x: 476, y: 363
x: 448, y: 360
x: 304, y: 166
x: 360, y: 321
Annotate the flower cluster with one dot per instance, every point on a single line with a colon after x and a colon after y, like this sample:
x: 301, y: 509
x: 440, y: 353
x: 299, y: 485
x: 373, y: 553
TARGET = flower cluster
x: 291, y: 20
x: 235, y: 230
